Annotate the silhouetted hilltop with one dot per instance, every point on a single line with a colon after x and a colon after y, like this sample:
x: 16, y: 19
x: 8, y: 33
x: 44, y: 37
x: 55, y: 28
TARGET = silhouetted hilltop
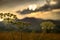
x: 35, y: 24
x: 37, y: 21
x: 32, y: 20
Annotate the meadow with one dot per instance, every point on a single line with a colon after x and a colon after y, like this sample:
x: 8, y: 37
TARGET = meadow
x: 28, y: 36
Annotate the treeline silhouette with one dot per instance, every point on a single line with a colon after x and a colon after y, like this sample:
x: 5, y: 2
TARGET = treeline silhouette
x: 28, y: 25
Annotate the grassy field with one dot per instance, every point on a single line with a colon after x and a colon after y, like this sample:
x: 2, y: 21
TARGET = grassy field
x: 28, y: 36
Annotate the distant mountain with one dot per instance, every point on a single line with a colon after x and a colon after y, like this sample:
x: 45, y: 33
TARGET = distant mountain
x: 7, y: 27
x: 36, y: 22
x: 2, y: 27
x: 32, y: 20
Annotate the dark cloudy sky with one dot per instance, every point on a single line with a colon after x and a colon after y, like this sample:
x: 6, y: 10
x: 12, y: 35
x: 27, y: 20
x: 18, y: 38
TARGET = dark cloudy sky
x: 13, y: 5
x: 18, y: 4
x: 4, y: 2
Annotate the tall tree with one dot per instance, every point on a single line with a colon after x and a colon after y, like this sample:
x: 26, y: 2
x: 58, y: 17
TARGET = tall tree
x: 15, y: 17
x: 7, y: 21
x: 1, y: 15
x: 21, y: 26
x: 47, y: 25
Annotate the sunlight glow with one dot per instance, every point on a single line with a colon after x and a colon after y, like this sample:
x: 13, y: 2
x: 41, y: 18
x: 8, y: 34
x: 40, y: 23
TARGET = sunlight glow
x: 32, y: 7
x: 1, y: 20
x: 53, y: 2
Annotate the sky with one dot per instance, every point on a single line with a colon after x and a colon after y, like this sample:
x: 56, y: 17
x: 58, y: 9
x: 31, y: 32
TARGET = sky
x: 18, y: 4
x: 14, y: 5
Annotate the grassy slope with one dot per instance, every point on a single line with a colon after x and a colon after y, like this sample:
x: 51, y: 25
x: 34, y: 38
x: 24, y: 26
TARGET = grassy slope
x: 28, y: 36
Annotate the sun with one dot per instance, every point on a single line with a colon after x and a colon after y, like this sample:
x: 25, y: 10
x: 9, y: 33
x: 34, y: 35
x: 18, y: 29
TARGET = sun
x: 32, y: 7
x: 1, y: 20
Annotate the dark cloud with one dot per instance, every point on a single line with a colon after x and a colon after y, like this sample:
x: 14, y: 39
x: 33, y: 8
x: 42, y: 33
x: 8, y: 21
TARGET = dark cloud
x: 43, y: 8
x: 4, y: 2
x: 27, y: 11
x: 58, y: 4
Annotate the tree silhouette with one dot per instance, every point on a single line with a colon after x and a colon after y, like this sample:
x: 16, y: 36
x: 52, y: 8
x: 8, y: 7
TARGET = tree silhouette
x: 8, y: 20
x: 14, y: 16
x: 8, y: 17
x: 47, y: 25
x: 1, y: 15
x: 21, y: 26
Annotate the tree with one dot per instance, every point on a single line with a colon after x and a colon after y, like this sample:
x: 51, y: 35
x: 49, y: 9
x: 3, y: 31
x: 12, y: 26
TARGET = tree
x: 21, y: 26
x: 5, y: 14
x: 8, y: 20
x: 47, y: 25
x: 1, y: 15
x: 8, y: 17
x: 14, y: 16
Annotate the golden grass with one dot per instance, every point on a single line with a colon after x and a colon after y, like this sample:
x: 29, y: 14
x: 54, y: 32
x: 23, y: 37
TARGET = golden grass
x: 28, y: 36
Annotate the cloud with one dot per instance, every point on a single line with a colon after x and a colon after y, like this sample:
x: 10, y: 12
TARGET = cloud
x: 43, y: 8
x: 4, y: 2
x: 25, y: 11
x: 57, y: 6
x: 28, y: 11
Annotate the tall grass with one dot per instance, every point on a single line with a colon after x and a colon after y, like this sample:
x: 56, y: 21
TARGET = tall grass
x: 28, y: 36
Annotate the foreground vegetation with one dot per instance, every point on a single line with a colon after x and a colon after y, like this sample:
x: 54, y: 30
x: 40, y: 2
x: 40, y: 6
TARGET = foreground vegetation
x: 19, y: 30
x: 28, y: 36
